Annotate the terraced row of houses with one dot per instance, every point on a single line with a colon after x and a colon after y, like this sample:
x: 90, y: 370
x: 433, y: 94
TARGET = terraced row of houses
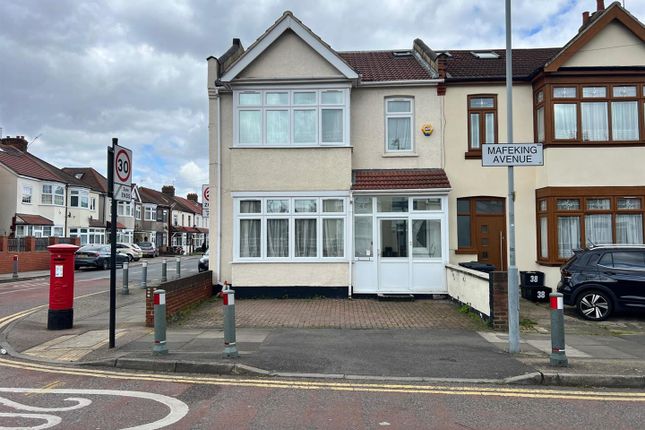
x: 362, y: 170
x: 41, y: 200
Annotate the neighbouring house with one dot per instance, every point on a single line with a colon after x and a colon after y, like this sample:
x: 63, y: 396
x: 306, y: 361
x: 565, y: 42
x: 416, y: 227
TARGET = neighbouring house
x: 188, y: 227
x: 95, y: 201
x: 39, y: 199
x: 154, y: 218
x: 361, y: 170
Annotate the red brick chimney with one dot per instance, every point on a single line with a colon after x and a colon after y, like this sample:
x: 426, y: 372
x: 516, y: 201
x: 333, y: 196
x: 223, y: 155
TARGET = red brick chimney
x: 17, y: 142
x: 192, y: 197
x: 600, y: 5
x: 168, y: 190
x: 585, y: 18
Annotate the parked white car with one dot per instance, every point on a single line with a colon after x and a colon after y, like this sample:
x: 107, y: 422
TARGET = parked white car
x: 128, y: 249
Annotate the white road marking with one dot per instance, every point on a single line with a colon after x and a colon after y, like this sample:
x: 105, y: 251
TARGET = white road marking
x: 178, y: 409
x: 51, y: 421
x: 20, y: 290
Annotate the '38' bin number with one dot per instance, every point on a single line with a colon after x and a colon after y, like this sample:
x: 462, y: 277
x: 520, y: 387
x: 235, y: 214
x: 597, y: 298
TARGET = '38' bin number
x: 541, y: 294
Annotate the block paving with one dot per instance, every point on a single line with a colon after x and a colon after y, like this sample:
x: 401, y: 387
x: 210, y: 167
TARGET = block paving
x: 335, y: 313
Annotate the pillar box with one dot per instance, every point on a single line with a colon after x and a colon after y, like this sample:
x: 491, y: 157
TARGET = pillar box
x: 61, y: 286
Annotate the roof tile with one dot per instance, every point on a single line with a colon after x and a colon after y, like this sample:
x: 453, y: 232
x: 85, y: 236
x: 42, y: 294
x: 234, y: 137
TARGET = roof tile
x: 385, y: 66
x: 399, y: 179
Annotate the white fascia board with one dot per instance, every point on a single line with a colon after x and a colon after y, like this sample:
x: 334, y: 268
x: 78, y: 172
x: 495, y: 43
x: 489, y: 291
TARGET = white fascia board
x: 305, y: 35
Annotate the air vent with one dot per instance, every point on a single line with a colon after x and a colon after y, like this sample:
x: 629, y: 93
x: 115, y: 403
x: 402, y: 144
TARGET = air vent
x: 485, y: 55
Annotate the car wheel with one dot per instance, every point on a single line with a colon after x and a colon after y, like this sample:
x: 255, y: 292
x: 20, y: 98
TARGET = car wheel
x: 130, y: 258
x: 594, y: 305
x: 105, y: 265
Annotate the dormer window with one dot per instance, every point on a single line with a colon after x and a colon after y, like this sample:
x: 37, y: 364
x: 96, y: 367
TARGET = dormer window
x: 291, y: 117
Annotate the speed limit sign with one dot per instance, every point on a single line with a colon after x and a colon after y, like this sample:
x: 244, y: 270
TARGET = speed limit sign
x: 122, y: 174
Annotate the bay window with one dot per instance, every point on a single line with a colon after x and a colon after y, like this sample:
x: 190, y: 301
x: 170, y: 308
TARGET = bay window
x: 570, y: 218
x: 150, y: 213
x: 291, y: 117
x: 53, y: 194
x: 124, y: 208
x: 589, y: 113
x: 290, y: 228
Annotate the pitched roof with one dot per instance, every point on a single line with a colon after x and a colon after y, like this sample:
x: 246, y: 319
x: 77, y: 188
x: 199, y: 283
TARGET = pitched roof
x: 386, y: 65
x: 24, y: 164
x: 188, y: 205
x: 399, y: 179
x: 148, y: 195
x: 463, y: 65
x: 89, y: 177
x: 26, y: 219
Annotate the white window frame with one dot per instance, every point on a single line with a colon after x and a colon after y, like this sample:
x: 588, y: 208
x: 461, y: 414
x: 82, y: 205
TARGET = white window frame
x: 83, y: 196
x: 124, y: 209
x: 92, y: 203
x: 149, y: 210
x: 291, y: 108
x: 292, y: 216
x: 27, y: 191
x: 53, y: 193
x: 410, y: 115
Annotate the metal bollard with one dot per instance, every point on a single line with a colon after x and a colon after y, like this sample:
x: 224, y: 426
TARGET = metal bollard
x: 558, y: 355
x: 15, y: 267
x: 164, y: 270
x: 144, y: 274
x: 230, y: 347
x: 178, y: 266
x: 125, y: 290
x: 160, y: 346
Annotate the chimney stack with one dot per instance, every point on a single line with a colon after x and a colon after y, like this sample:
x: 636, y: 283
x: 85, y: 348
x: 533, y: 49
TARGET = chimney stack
x: 168, y: 190
x: 600, y: 5
x: 585, y: 18
x: 192, y: 197
x: 18, y: 142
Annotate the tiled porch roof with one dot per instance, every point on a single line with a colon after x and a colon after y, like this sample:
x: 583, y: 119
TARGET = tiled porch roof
x: 399, y: 179
x: 25, y: 219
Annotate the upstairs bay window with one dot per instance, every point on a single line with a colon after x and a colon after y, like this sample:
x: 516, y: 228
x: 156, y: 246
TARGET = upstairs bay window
x: 590, y: 113
x: 124, y: 209
x: 304, y: 117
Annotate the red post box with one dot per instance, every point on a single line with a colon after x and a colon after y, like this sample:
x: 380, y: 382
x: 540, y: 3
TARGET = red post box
x: 61, y: 286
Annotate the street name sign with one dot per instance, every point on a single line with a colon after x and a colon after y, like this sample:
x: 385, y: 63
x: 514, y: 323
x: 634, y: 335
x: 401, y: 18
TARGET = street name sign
x: 205, y: 200
x: 512, y: 154
x: 122, y: 174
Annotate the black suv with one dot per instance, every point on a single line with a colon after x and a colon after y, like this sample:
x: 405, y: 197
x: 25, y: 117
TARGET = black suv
x: 601, y: 279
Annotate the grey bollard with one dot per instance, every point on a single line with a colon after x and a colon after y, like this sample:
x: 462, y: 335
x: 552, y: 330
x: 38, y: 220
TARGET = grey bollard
x: 15, y: 267
x: 164, y: 270
x: 125, y: 290
x: 160, y: 346
x: 178, y: 266
x: 230, y: 347
x: 144, y: 274
x: 558, y: 354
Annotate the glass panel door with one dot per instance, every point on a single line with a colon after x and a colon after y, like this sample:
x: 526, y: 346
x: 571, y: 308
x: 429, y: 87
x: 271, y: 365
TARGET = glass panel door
x: 426, y: 238
x: 394, y: 238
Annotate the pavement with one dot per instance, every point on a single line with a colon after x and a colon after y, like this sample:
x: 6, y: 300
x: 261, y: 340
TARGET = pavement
x: 422, y: 340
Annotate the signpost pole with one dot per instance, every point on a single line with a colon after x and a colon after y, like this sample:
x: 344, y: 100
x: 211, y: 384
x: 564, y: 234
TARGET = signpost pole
x: 110, y: 172
x: 513, y: 293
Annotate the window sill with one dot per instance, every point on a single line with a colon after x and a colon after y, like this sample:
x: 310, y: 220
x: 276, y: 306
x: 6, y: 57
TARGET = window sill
x: 288, y: 146
x: 465, y: 251
x: 550, y: 263
x: 399, y: 154
x: 473, y: 154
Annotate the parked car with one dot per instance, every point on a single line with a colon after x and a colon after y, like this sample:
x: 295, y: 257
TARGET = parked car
x: 148, y: 249
x: 129, y: 250
x: 97, y: 256
x: 602, y: 279
x: 202, y: 266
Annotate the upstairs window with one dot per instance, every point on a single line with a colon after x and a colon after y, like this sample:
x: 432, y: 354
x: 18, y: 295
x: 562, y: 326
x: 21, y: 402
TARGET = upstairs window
x: 306, y: 117
x: 399, y: 124
x: 149, y: 213
x: 482, y: 121
x: 79, y: 199
x: 26, y: 194
x: 53, y: 194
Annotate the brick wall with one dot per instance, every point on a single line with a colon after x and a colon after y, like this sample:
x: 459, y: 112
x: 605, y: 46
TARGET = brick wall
x: 499, y: 300
x: 180, y: 294
x: 29, y: 259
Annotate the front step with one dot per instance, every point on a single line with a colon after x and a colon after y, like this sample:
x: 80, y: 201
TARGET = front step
x: 396, y: 297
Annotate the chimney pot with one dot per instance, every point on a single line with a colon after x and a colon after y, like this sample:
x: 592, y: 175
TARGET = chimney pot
x: 236, y: 41
x: 585, y: 17
x: 18, y: 142
x: 600, y: 5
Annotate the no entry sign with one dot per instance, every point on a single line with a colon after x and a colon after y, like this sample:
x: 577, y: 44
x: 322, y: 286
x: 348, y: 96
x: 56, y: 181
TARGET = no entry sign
x: 205, y: 199
x: 122, y: 173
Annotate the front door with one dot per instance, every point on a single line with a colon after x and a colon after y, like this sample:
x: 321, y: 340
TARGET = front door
x: 394, y: 255
x: 491, y: 242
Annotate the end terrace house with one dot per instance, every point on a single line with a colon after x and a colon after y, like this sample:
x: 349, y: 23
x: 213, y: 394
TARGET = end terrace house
x: 326, y: 167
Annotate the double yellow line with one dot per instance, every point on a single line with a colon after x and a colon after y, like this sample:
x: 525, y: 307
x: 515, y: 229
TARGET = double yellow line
x: 5, y: 321
x: 272, y: 383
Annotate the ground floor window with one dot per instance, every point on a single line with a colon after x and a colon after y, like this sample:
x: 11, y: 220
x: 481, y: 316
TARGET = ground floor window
x: 569, y: 218
x: 124, y: 236
x: 290, y: 228
x: 88, y: 236
x: 38, y: 231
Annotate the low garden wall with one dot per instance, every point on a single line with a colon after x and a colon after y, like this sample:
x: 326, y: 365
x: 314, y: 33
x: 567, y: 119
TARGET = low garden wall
x: 181, y: 294
x: 31, y: 251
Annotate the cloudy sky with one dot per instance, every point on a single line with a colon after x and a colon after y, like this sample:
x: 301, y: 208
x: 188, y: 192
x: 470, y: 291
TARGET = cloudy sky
x: 73, y: 73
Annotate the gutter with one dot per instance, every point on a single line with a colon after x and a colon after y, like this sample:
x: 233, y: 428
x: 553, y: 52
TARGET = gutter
x: 403, y: 83
x: 419, y: 191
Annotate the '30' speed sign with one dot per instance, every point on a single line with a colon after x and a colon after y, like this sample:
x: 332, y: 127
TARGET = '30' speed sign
x: 122, y: 165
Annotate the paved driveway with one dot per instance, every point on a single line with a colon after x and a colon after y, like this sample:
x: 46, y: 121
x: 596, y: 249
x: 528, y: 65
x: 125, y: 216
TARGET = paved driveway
x: 336, y: 313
